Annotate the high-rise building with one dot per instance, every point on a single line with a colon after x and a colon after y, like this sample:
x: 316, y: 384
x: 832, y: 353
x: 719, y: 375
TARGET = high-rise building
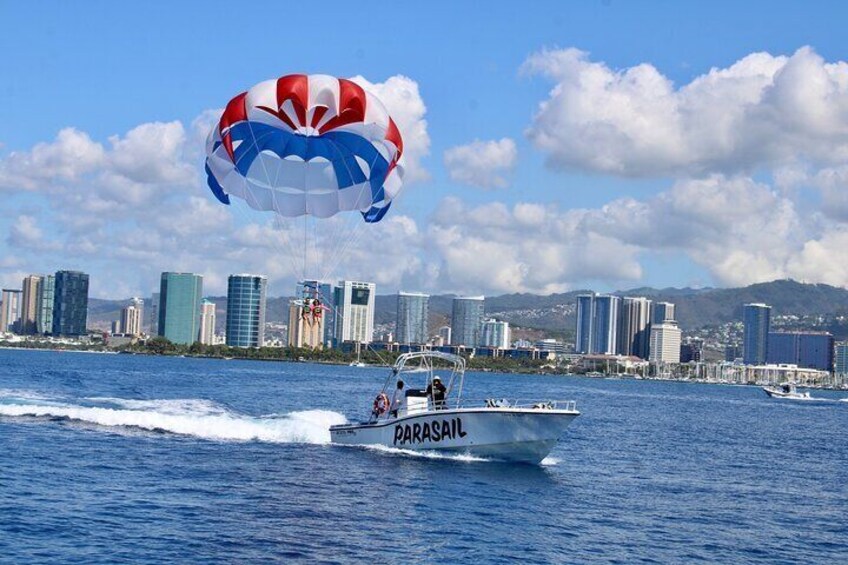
x: 692, y: 350
x: 306, y: 327
x: 585, y: 314
x: 131, y: 317
x: 179, y: 307
x: 756, y: 320
x: 207, y: 323
x: 246, y: 310
x: 662, y: 312
x: 413, y: 312
x: 810, y: 350
x: 495, y: 334
x: 29, y: 304
x: 323, y: 293
x: 354, y: 304
x: 634, y: 332
x: 153, y: 315
x: 665, y: 343
x: 10, y: 310
x: 840, y: 358
x: 732, y: 352
x: 70, y: 303
x: 44, y: 311
x: 467, y: 320
x: 605, y: 324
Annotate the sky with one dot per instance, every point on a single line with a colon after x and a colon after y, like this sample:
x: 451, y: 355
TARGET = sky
x: 548, y: 146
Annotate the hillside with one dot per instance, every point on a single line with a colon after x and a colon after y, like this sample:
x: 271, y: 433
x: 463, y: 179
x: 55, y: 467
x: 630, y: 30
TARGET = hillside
x: 696, y: 308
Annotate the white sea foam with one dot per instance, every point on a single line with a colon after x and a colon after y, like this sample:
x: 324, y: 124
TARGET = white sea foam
x: 463, y: 457
x: 190, y: 417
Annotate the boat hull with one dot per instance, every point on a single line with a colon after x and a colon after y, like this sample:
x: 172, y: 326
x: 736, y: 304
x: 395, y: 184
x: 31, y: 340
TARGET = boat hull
x: 777, y: 393
x: 505, y: 434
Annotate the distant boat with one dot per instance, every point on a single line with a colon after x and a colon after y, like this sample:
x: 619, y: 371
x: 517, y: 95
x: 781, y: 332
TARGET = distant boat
x: 786, y: 391
x: 357, y: 364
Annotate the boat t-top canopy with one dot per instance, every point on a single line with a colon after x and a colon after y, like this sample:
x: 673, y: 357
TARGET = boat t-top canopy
x: 418, y: 369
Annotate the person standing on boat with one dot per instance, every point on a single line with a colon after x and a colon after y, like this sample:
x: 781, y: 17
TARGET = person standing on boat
x: 398, y: 400
x: 436, y: 391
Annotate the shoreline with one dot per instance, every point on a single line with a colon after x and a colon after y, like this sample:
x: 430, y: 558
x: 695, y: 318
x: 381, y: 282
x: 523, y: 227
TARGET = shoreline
x: 340, y: 362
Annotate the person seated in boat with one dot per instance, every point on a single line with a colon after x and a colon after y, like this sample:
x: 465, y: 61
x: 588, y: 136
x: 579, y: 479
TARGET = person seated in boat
x: 398, y: 402
x: 436, y: 392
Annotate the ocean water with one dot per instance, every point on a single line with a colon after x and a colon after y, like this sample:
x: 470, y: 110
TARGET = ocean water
x: 115, y: 458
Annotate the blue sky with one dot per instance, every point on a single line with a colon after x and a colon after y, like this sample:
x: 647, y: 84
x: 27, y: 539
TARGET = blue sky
x: 106, y: 68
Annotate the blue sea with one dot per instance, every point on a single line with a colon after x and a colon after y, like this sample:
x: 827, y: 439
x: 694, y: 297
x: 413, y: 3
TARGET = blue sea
x: 135, y: 459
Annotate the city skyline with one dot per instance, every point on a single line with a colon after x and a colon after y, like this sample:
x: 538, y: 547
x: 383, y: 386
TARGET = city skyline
x: 663, y: 191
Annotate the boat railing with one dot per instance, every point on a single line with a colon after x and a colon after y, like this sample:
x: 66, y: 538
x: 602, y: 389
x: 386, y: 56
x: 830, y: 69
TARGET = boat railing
x: 569, y: 405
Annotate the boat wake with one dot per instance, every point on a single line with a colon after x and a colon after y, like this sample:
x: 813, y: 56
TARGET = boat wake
x: 462, y: 457
x: 189, y: 417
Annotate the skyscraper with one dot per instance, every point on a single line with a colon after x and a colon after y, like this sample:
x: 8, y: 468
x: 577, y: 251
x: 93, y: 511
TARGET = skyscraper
x: 662, y: 312
x: 413, y: 312
x: 131, y: 317
x: 246, y: 310
x: 467, y: 320
x: 495, y: 334
x: 756, y: 319
x: 153, y: 315
x: 29, y: 304
x: 10, y: 312
x: 354, y: 304
x: 70, y: 303
x: 323, y: 292
x: 207, y: 323
x: 840, y: 359
x: 634, y: 334
x: 179, y: 307
x: 585, y: 314
x: 665, y: 343
x: 605, y: 324
x: 810, y: 350
x: 46, y: 297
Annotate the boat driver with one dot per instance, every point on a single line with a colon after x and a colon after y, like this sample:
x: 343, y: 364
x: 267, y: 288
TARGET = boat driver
x: 399, y: 400
x: 436, y: 391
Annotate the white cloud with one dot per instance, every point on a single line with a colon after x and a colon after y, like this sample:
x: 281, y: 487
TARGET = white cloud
x: 526, y: 248
x: 482, y: 163
x: 761, y: 111
x: 70, y: 156
x: 406, y: 107
x: 25, y: 233
x: 151, y: 153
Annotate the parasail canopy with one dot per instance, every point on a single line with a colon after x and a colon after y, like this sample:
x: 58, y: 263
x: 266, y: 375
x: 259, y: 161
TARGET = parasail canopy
x: 311, y: 145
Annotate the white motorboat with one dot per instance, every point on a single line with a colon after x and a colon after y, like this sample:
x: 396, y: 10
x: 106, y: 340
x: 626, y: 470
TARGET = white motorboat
x: 498, y: 429
x: 787, y: 391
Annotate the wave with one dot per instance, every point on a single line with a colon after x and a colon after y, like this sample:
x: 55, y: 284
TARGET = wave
x: 190, y: 417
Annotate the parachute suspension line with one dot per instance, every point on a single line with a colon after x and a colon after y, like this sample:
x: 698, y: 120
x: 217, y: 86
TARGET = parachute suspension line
x: 252, y: 196
x: 341, y: 251
x: 249, y: 196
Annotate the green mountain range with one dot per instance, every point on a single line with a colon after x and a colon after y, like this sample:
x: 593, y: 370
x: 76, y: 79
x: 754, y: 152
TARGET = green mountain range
x: 695, y: 308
